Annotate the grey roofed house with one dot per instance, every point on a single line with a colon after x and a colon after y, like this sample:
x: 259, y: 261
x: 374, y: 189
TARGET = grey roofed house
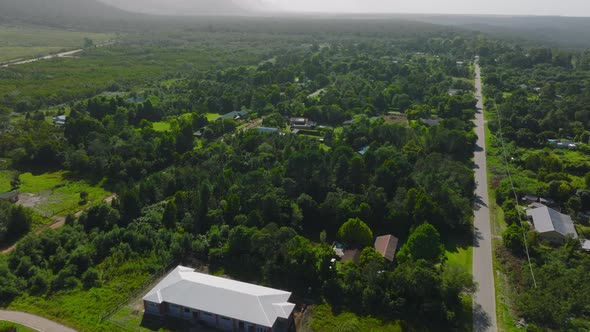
x: 386, y: 245
x: 235, y: 115
x: 547, y: 201
x: 530, y: 198
x: 59, y: 120
x: 431, y: 122
x: 301, y: 123
x: 220, y: 302
x: 552, y: 225
x: 585, y: 245
x: 267, y: 130
x: 11, y: 196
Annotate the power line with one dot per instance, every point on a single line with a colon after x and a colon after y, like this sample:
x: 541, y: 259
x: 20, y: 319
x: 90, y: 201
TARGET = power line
x: 508, y: 173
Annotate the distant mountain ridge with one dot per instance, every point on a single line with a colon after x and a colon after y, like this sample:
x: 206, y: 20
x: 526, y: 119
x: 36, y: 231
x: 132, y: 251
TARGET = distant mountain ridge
x: 16, y: 9
x: 187, y: 7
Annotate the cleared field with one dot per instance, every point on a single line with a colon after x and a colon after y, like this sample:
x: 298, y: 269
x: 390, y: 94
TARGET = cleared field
x: 19, y: 42
x: 52, y: 194
x: 161, y: 126
x: 324, y: 319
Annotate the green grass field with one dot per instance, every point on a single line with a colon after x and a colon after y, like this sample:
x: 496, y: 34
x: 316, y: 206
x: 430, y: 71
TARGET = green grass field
x: 28, y: 41
x: 55, y: 194
x: 323, y: 319
x: 14, y: 327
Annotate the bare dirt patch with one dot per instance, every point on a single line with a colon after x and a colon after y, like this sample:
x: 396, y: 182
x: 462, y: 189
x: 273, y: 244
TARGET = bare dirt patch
x: 30, y: 200
x: 396, y: 118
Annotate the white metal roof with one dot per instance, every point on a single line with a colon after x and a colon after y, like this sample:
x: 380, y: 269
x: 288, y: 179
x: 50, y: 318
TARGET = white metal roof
x: 234, y: 299
x: 547, y: 220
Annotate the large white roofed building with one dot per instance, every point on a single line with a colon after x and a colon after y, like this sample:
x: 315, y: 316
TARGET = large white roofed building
x: 223, y: 303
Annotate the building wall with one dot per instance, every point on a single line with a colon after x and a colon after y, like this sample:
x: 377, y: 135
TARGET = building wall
x: 553, y: 237
x: 211, y: 319
x: 151, y: 308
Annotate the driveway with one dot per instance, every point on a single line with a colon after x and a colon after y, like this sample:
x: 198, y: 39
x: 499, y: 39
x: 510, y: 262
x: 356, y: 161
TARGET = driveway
x: 484, y: 301
x: 35, y: 322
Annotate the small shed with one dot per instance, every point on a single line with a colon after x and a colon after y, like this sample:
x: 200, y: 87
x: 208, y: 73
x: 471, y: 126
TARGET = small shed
x: 351, y: 255
x: 11, y: 196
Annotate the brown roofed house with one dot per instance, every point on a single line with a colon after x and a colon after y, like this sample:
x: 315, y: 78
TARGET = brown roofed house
x: 386, y: 245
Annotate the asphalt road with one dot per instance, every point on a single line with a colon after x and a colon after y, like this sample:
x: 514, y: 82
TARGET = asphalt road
x: 35, y: 322
x: 484, y: 302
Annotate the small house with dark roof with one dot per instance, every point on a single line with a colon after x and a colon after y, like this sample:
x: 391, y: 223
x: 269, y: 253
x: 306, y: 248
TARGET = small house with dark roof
x: 301, y: 123
x: 235, y: 115
x: 529, y: 199
x: 431, y: 122
x: 59, y: 120
x: 386, y: 245
x: 547, y: 201
x: 351, y: 255
x: 267, y: 130
x: 11, y: 196
x: 552, y: 225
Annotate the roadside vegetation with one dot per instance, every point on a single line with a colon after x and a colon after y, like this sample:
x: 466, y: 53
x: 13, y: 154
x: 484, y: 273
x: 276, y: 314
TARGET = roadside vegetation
x: 533, y: 112
x: 13, y: 327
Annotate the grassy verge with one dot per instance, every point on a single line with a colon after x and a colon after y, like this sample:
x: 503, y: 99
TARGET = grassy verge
x: 54, y: 193
x: 461, y: 257
x: 325, y: 320
x: 504, y: 318
x: 83, y: 309
x: 14, y: 327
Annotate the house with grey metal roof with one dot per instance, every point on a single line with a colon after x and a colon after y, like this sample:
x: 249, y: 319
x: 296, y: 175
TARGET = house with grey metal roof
x: 220, y: 302
x: 11, y: 196
x: 552, y: 225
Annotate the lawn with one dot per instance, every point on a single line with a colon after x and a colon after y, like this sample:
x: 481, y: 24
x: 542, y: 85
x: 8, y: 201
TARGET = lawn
x: 461, y: 257
x: 56, y: 194
x: 19, y: 42
x: 162, y: 126
x: 14, y: 327
x: 325, y: 320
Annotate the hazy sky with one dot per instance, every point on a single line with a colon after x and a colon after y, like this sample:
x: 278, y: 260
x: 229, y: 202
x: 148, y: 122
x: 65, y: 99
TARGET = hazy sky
x: 506, y: 7
x: 509, y: 7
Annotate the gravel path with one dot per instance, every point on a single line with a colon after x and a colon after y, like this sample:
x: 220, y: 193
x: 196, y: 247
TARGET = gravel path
x: 35, y: 322
x: 484, y: 302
